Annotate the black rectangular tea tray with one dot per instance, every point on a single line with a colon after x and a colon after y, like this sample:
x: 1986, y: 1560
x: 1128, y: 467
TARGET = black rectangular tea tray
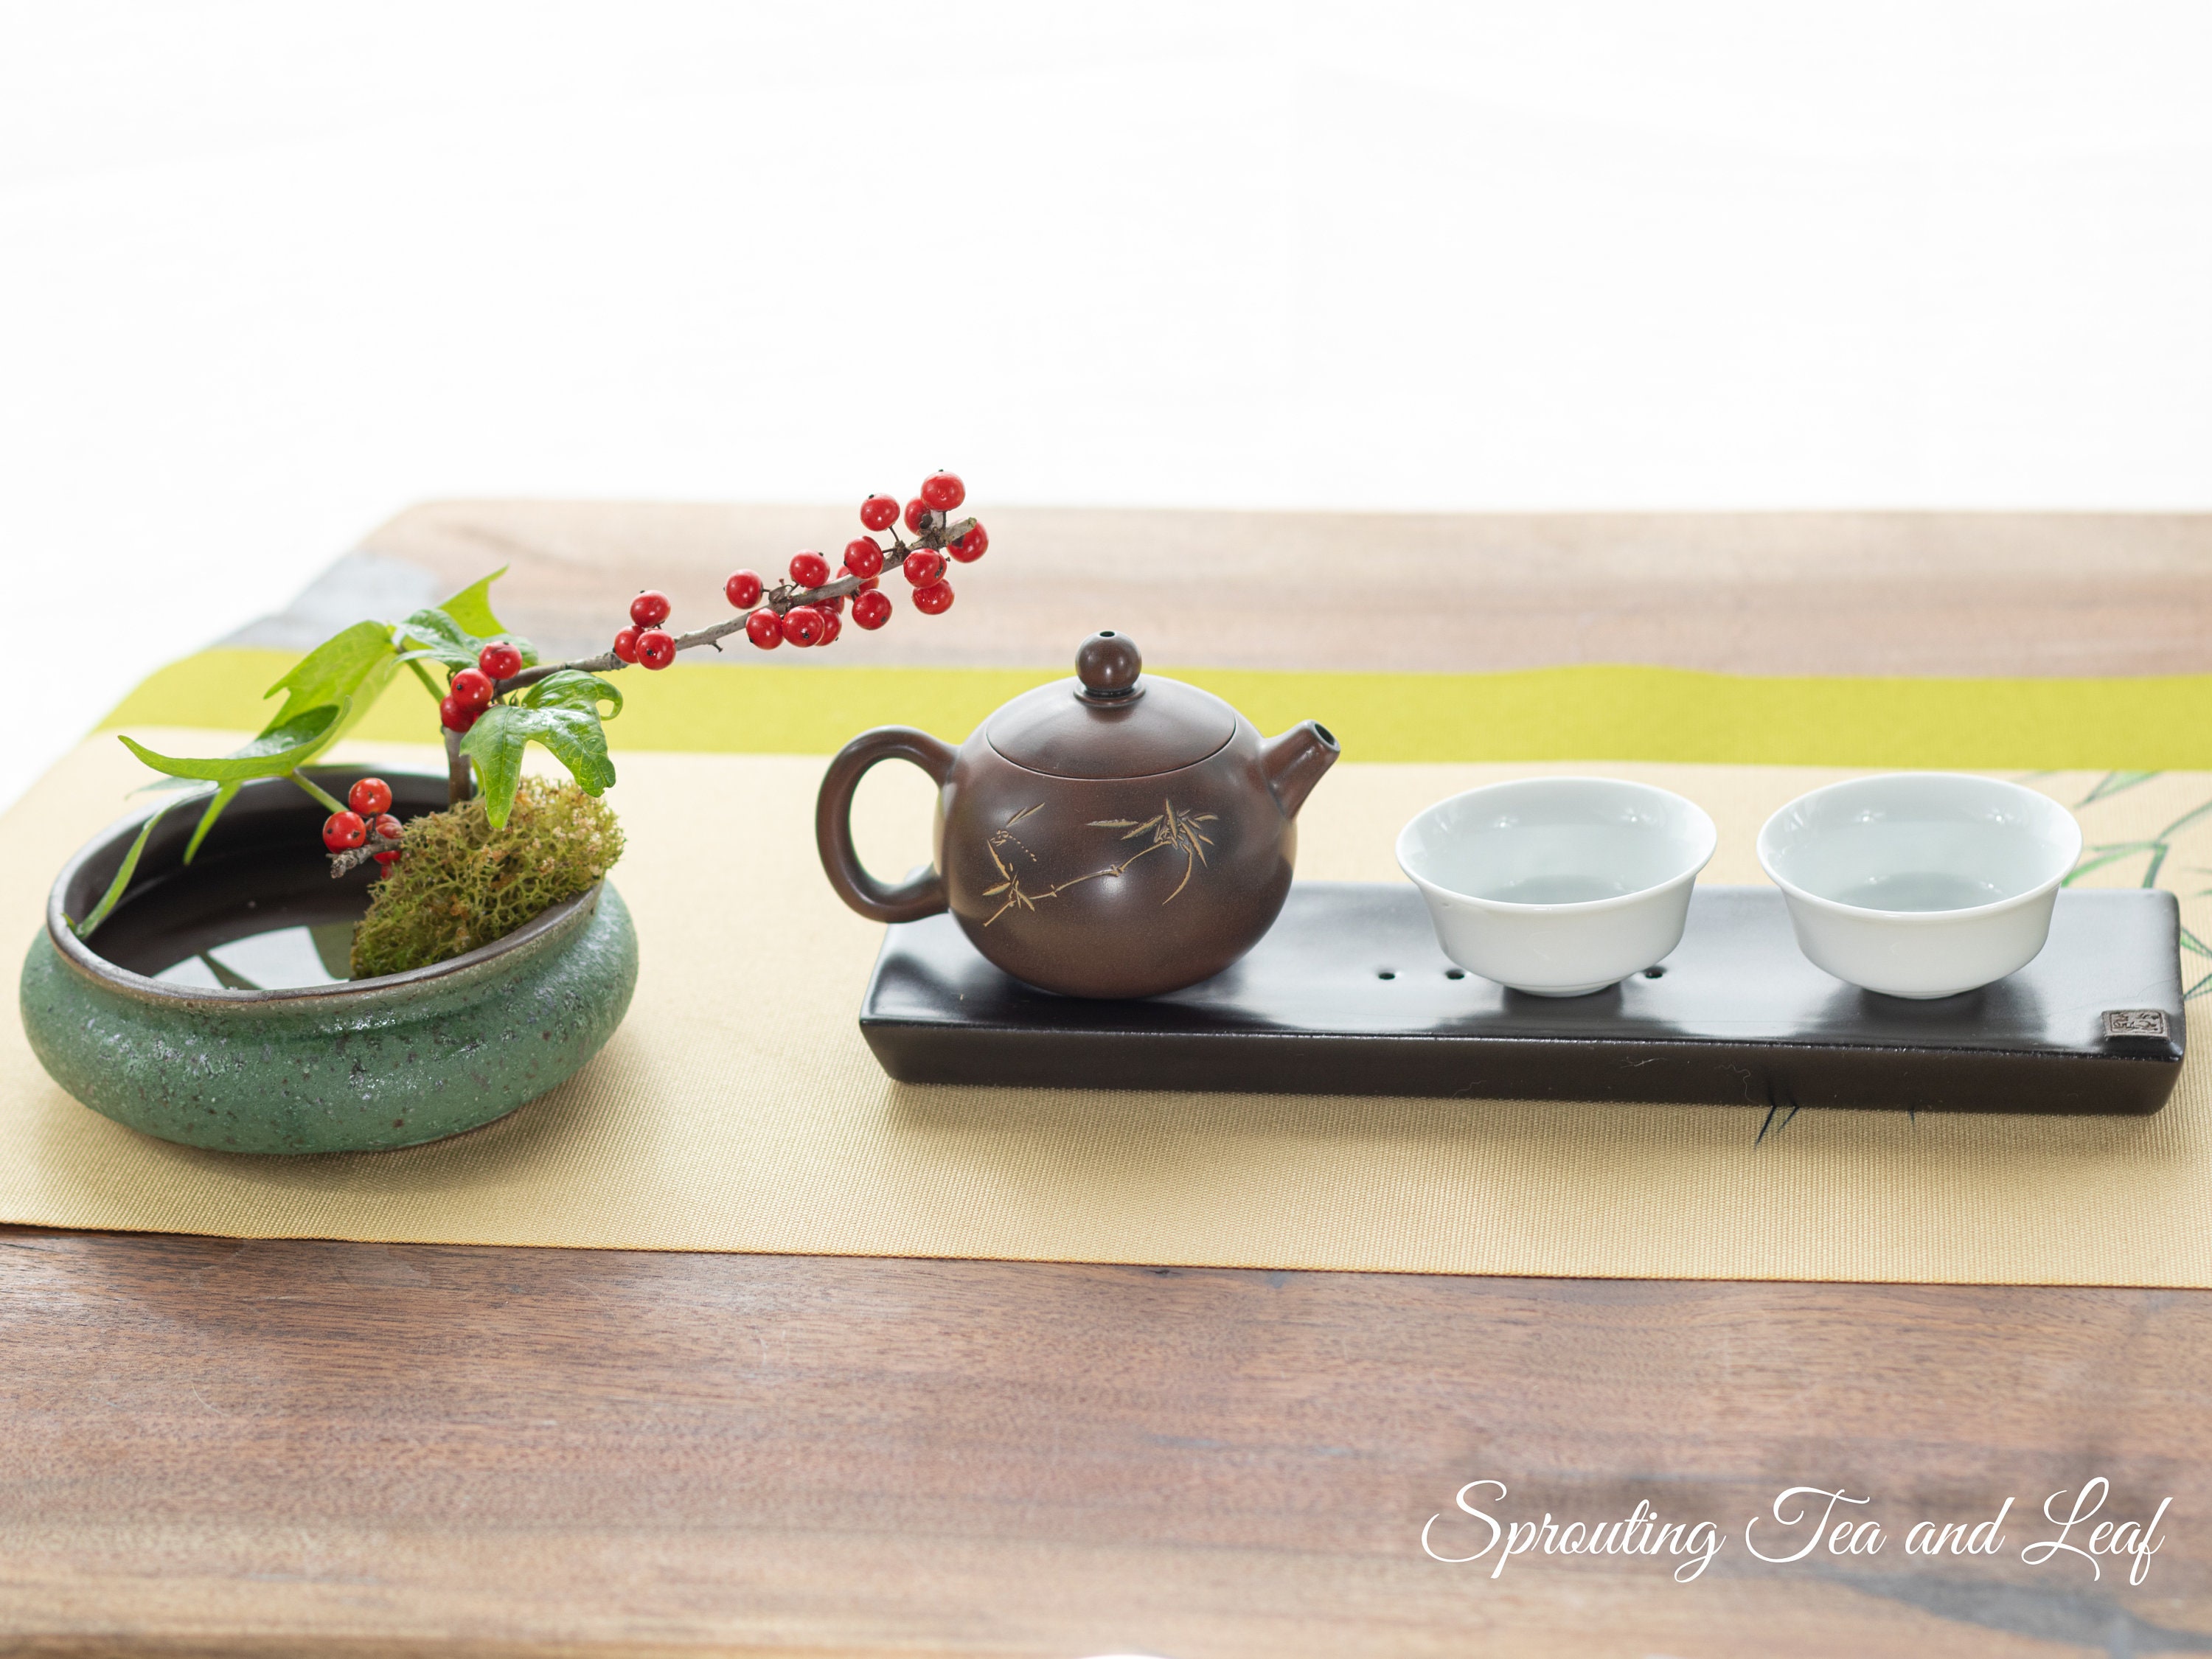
x: 1348, y: 993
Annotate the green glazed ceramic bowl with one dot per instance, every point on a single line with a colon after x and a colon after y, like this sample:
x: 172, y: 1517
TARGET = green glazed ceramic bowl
x: 353, y: 1066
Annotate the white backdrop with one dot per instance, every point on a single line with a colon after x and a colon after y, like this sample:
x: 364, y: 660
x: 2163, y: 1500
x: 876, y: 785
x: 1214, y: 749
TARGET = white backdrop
x: 270, y: 271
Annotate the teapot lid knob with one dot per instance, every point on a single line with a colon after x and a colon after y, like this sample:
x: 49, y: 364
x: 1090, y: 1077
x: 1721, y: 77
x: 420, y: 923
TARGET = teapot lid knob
x: 1108, y: 663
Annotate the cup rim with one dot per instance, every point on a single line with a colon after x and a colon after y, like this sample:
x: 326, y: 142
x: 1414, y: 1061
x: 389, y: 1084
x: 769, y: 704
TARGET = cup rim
x: 1921, y: 918
x: 1698, y: 815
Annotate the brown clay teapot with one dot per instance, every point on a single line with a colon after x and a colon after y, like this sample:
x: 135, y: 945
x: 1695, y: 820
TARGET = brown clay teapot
x: 1111, y: 835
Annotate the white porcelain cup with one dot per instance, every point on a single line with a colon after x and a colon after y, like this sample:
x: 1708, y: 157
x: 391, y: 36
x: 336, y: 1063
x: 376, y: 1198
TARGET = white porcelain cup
x: 1558, y: 886
x: 1920, y: 883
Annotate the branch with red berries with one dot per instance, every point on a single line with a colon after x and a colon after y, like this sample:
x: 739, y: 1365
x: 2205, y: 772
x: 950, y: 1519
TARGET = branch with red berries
x: 497, y: 698
x: 806, y: 609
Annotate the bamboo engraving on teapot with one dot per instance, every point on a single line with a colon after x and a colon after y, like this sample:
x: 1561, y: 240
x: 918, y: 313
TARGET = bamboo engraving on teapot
x: 1171, y: 827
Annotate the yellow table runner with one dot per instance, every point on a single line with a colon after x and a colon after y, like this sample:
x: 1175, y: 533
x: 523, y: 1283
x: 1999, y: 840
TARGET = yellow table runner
x: 738, y: 1109
x: 1582, y: 712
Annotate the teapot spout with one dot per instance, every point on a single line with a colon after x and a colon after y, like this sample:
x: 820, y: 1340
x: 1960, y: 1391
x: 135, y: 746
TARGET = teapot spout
x: 1293, y: 763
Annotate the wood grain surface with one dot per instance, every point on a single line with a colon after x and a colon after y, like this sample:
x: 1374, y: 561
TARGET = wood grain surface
x: 1968, y: 593
x: 275, y: 1448
x: 310, y: 1447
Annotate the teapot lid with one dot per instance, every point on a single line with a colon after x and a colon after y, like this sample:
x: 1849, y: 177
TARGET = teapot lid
x: 1109, y: 721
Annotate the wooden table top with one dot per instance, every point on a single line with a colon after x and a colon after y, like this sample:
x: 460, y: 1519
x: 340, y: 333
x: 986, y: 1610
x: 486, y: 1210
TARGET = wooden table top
x: 214, y: 1447
x: 1973, y: 593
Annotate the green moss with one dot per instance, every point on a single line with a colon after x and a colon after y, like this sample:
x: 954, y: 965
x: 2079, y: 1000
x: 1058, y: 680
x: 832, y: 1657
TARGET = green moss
x: 459, y: 883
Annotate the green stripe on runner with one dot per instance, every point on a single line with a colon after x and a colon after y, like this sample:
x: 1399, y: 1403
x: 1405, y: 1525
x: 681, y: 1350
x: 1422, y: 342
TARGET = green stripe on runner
x: 1591, y: 712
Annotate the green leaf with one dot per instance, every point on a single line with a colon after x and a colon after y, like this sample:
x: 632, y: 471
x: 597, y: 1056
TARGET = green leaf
x: 561, y: 712
x: 123, y: 872
x: 456, y: 632
x: 353, y: 663
x: 471, y: 607
x: 277, y: 752
x: 349, y: 670
x: 271, y: 755
x: 222, y: 798
x: 435, y: 634
x: 325, y: 692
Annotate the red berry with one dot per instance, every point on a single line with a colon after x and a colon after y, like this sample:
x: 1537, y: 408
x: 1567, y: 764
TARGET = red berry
x: 456, y: 718
x: 385, y: 860
x: 764, y: 629
x: 872, y: 611
x: 922, y: 567
x: 473, y: 689
x: 344, y: 831
x: 862, y: 556
x: 879, y: 512
x: 808, y: 569
x: 870, y: 585
x: 369, y: 796
x: 650, y: 609
x: 655, y: 649
x: 944, y: 491
x: 833, y: 625
x: 499, y: 661
x: 934, y: 600
x: 743, y: 590
x: 626, y: 644
x: 917, y: 516
x: 970, y: 545
x: 388, y: 828
x: 804, y: 625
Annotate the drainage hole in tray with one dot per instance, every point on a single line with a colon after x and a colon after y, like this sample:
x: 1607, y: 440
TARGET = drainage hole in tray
x: 1655, y: 973
x: 1387, y: 973
x: 1454, y: 973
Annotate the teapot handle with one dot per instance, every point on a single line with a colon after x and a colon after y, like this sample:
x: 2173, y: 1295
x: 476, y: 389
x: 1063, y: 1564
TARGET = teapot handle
x: 910, y: 900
